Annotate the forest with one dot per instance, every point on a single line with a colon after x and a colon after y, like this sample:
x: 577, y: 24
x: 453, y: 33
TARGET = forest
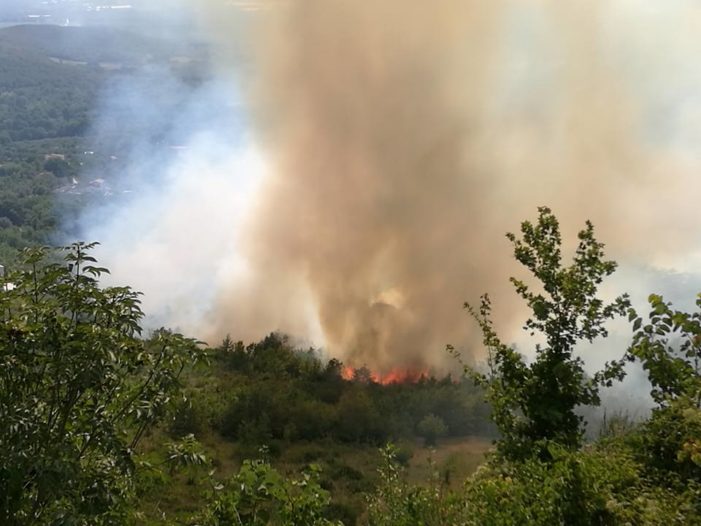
x: 44, y: 115
x: 105, y: 422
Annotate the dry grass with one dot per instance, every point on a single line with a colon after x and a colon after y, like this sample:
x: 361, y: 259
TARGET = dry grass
x: 454, y: 459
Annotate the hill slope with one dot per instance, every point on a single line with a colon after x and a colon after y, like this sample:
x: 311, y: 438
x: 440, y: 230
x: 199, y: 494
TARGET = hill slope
x: 40, y: 99
x: 85, y: 44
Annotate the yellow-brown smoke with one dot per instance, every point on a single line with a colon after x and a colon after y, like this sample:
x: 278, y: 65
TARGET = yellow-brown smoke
x: 405, y: 137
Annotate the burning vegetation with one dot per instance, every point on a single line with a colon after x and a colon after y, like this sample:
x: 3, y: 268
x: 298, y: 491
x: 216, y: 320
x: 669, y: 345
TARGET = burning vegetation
x: 396, y: 375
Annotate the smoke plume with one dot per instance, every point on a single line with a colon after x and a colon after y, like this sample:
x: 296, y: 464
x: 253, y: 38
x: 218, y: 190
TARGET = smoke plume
x: 402, y: 139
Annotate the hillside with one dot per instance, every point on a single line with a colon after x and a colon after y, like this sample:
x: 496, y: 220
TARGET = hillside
x: 299, y: 409
x: 40, y: 99
x: 88, y: 45
x: 45, y: 110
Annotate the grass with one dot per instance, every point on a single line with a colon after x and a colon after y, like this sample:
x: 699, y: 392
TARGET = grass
x: 349, y: 471
x: 454, y: 459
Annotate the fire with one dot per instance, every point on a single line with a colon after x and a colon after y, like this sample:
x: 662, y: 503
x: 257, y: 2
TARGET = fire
x: 347, y: 373
x: 397, y: 375
x: 402, y: 376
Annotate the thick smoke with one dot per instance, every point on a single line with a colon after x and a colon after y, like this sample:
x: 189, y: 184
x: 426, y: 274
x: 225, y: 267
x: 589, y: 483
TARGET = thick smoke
x: 402, y: 139
x: 406, y: 138
x: 377, y: 203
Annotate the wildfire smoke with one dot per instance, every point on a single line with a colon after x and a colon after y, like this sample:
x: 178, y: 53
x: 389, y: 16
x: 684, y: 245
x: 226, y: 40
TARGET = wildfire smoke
x: 399, y: 142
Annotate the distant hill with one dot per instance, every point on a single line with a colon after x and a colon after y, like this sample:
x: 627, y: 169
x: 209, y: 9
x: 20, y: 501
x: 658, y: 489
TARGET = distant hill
x: 50, y: 76
x: 24, y: 67
x: 91, y: 45
x: 41, y: 99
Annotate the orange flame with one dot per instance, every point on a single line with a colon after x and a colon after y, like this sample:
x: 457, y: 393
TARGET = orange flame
x: 394, y: 376
x: 347, y: 373
x: 401, y: 376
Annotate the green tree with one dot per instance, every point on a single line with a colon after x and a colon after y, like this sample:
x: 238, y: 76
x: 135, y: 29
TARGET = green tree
x: 79, y: 388
x: 431, y: 428
x: 534, y: 403
x: 358, y: 418
x: 57, y: 166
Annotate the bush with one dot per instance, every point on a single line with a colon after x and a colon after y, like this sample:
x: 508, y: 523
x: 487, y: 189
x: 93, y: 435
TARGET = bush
x: 340, y: 512
x: 580, y: 488
x: 589, y: 487
x: 358, y: 418
x: 188, y: 419
x: 80, y: 390
x: 431, y: 428
x: 258, y: 495
x: 669, y: 349
x: 398, y: 503
x: 669, y: 443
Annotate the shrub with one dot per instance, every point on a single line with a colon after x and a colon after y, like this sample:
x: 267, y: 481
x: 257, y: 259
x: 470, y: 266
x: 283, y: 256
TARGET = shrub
x: 78, y: 390
x: 258, y: 495
x: 188, y: 419
x: 398, y: 503
x: 431, y: 428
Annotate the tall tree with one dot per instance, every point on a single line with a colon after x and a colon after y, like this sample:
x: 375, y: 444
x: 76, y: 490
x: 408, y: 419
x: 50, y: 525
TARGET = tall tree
x: 534, y: 402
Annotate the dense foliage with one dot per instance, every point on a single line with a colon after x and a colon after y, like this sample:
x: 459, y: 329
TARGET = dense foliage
x: 275, y: 392
x: 52, y: 160
x: 40, y: 99
x: 45, y: 110
x: 89, y: 45
x: 79, y: 388
x: 669, y: 348
x: 602, y: 485
x: 259, y: 495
